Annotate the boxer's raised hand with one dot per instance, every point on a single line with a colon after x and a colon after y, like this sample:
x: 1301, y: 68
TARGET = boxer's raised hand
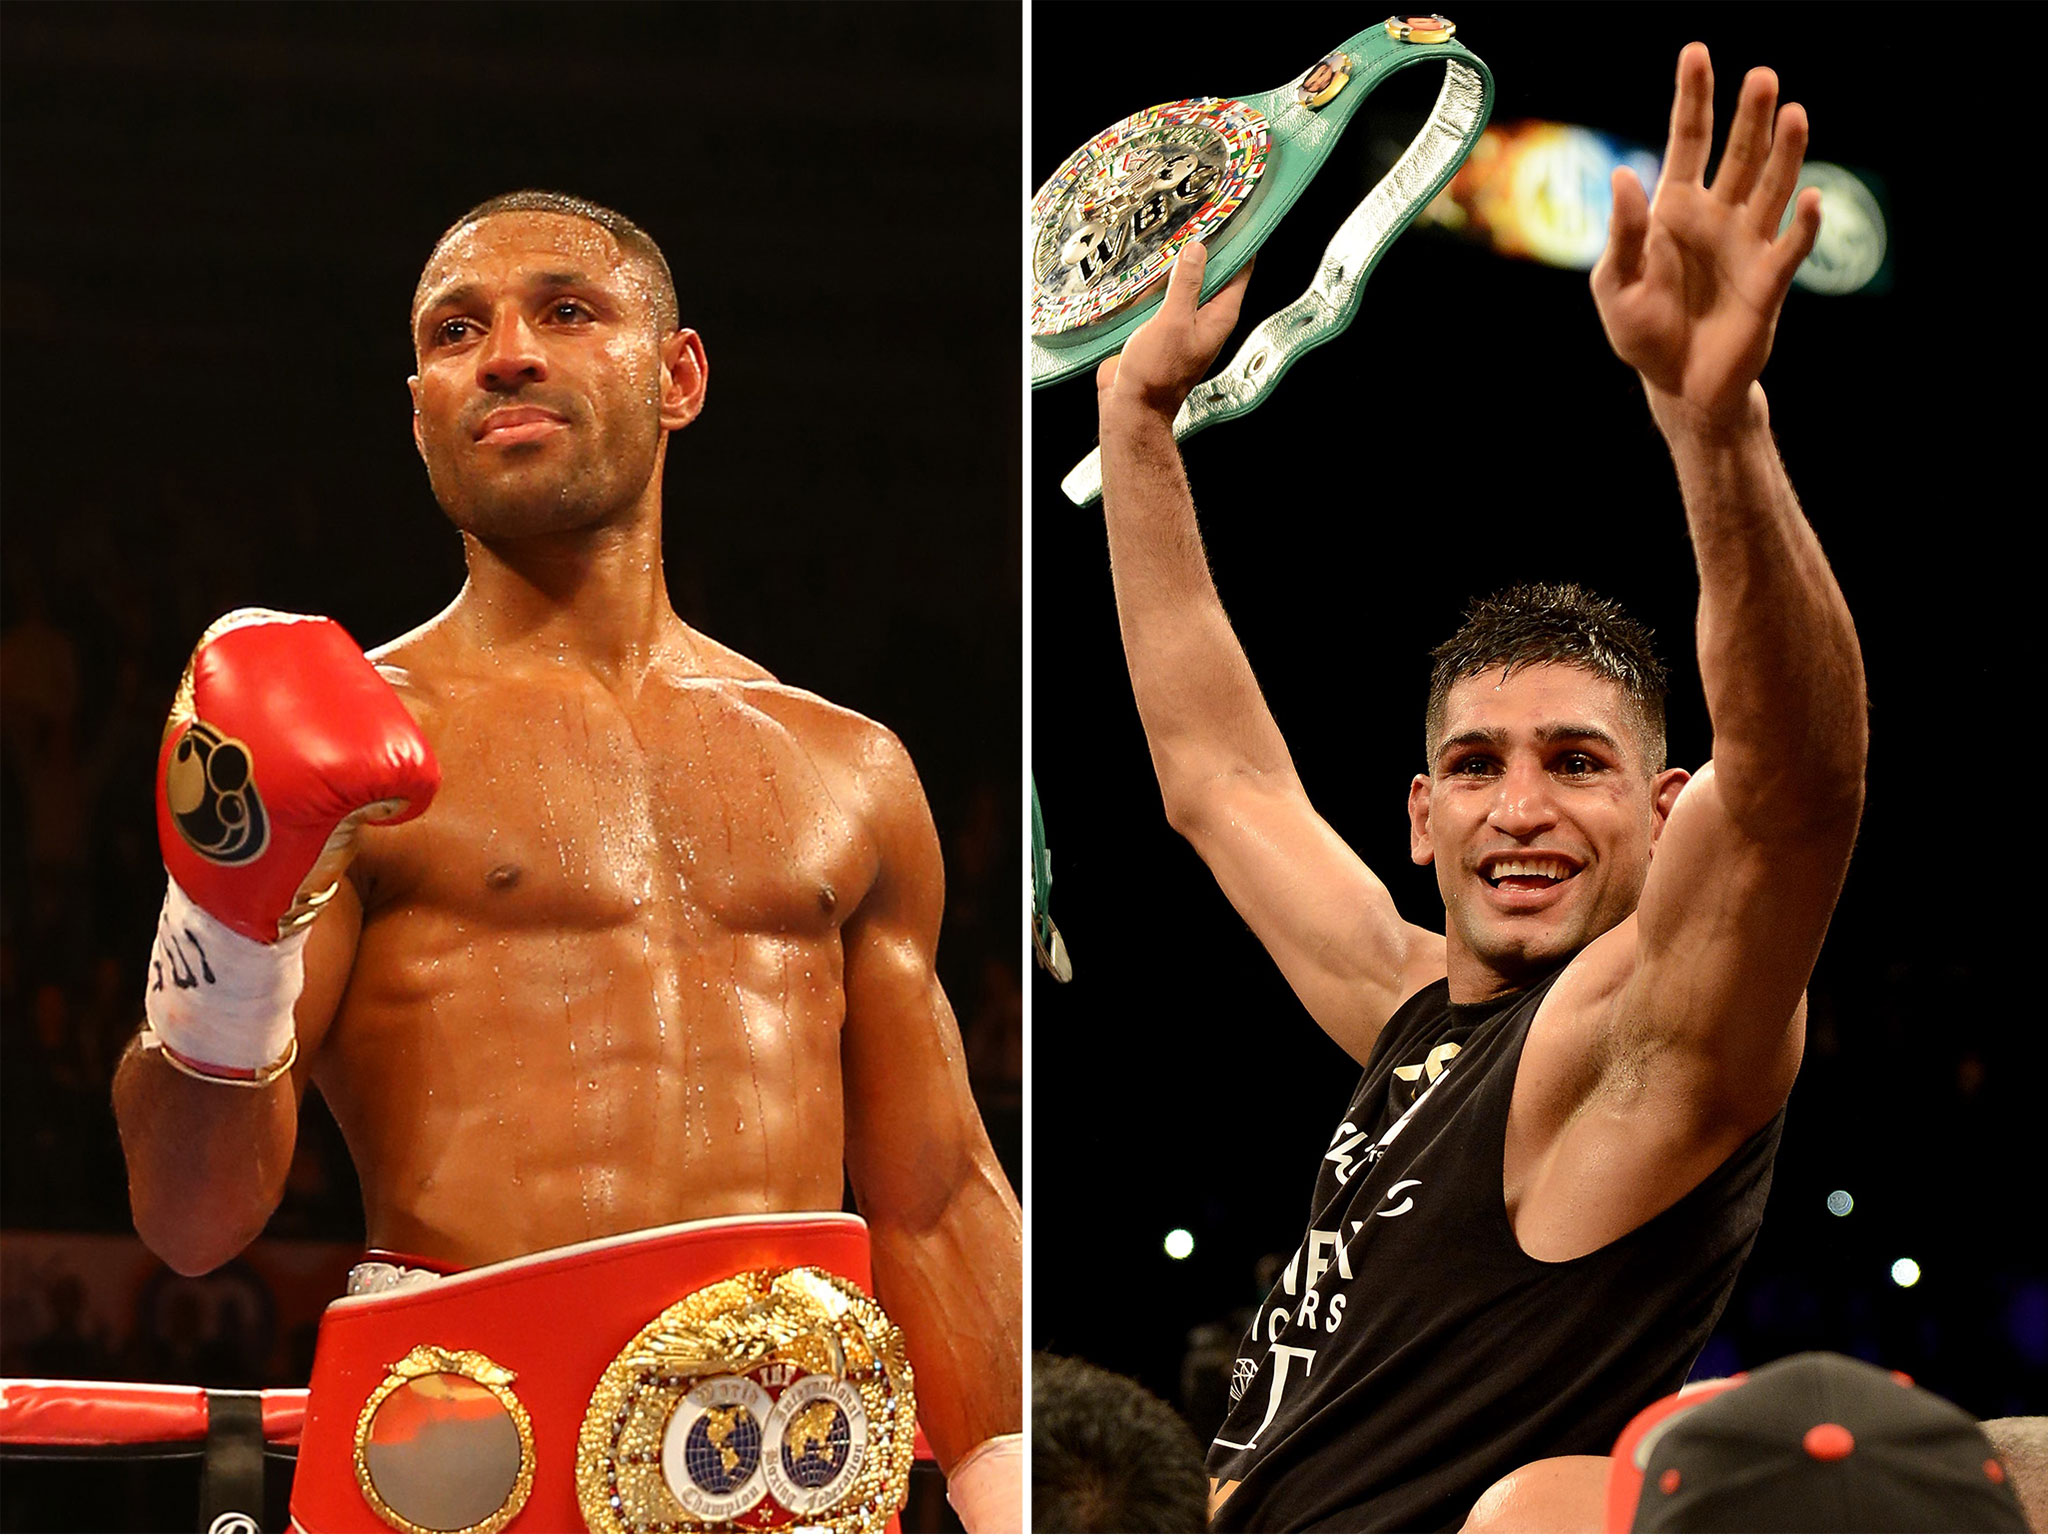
x: 1167, y: 356
x: 1692, y: 281
x: 283, y: 740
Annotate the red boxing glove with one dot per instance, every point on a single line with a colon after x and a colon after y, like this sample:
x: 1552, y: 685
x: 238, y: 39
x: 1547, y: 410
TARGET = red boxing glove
x: 282, y: 741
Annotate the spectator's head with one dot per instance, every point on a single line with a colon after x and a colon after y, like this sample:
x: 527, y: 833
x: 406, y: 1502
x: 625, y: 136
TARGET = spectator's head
x: 66, y: 1300
x: 1815, y: 1442
x: 53, y: 1018
x: 1106, y: 1455
x: 2022, y: 1445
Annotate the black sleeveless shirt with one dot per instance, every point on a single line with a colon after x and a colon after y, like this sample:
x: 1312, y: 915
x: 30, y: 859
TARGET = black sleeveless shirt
x: 1411, y: 1353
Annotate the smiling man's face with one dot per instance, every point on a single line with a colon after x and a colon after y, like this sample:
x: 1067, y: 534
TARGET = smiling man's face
x: 1539, y: 812
x: 538, y: 401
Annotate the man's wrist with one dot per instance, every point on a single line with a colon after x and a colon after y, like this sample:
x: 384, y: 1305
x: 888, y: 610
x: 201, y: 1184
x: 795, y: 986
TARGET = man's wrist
x: 1127, y: 415
x: 217, y: 999
x: 986, y: 1486
x: 1689, y: 425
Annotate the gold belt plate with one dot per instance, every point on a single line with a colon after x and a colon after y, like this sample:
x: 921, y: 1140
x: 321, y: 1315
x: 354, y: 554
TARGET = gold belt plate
x: 775, y: 1400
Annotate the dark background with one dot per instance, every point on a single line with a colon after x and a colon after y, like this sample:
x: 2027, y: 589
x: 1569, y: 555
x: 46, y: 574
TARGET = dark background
x: 214, y: 220
x: 1472, y: 429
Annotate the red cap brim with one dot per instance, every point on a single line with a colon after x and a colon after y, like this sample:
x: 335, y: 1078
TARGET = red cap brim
x: 1632, y: 1450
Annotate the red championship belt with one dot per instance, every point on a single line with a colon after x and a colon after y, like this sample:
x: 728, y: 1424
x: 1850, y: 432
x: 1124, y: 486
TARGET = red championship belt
x: 724, y: 1375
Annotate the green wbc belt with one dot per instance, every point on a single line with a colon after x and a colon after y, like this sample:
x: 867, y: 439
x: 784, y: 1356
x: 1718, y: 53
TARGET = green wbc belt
x: 1106, y: 227
x: 1046, y: 942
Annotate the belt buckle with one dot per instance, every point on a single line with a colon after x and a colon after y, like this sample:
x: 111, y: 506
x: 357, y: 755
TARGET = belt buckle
x: 774, y: 1400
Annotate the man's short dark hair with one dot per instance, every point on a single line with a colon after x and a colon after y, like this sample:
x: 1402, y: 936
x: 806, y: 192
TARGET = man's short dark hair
x: 1106, y: 1455
x: 1545, y: 622
x: 633, y: 240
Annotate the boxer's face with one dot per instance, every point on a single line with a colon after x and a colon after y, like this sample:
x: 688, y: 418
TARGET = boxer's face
x: 545, y: 386
x: 1539, y: 812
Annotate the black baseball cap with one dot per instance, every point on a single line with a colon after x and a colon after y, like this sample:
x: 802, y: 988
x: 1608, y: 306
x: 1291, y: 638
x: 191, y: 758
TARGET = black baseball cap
x: 1814, y: 1442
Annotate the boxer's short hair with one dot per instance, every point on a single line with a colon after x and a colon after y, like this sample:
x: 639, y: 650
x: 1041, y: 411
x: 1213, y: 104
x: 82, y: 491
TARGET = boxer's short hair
x: 1538, y: 623
x: 633, y: 240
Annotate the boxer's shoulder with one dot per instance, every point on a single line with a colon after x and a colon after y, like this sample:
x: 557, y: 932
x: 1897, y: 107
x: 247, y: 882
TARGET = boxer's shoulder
x: 422, y: 669
x: 864, y: 763
x: 822, y: 727
x: 694, y: 655
x: 833, y: 734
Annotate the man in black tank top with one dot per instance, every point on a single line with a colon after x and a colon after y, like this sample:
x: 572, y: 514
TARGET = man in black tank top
x: 1537, y: 1201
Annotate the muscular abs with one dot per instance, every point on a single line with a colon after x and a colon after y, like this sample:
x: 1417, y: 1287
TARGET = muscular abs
x: 599, y: 986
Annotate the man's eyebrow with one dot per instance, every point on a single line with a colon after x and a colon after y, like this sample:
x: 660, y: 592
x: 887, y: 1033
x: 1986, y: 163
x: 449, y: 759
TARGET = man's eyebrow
x: 463, y: 293
x: 1551, y: 734
x: 1473, y: 738
x: 1546, y: 735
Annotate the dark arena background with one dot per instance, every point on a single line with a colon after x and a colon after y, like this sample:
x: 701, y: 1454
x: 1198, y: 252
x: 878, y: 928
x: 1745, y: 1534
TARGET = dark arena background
x: 1472, y: 429
x: 214, y: 217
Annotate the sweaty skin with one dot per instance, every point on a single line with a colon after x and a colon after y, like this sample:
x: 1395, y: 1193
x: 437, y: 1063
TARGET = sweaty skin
x: 599, y: 987
x: 663, y: 946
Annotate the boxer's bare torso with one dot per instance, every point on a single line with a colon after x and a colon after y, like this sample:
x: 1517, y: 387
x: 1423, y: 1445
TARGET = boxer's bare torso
x: 661, y: 945
x: 598, y: 986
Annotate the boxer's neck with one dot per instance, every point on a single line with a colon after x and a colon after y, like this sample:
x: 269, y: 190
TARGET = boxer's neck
x: 592, y: 596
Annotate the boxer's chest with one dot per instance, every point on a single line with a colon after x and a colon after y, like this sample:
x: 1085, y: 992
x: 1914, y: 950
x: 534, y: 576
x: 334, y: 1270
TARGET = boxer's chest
x: 688, y: 807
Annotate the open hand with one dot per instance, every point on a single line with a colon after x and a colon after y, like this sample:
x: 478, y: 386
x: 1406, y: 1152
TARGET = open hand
x: 1167, y: 356
x: 1691, y: 284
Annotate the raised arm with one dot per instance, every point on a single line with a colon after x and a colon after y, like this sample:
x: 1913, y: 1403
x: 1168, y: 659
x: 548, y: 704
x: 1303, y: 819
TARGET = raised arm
x: 1690, y: 291
x: 1229, y: 784
x: 1752, y: 859
x: 283, y: 740
x: 945, y: 1226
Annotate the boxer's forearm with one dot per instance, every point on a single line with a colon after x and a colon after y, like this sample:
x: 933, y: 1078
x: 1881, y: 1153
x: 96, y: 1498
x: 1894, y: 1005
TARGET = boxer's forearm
x: 956, y: 1289
x: 206, y: 1163
x: 1197, y: 697
x: 1779, y: 659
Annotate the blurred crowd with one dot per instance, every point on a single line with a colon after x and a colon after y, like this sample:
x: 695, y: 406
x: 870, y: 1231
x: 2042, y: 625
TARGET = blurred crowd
x: 84, y: 687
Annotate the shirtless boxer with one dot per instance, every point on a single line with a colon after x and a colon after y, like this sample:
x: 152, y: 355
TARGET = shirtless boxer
x: 1556, y: 1159
x: 661, y: 949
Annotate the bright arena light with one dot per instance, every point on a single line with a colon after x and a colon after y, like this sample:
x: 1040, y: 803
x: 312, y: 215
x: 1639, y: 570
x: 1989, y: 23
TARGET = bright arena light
x: 1841, y: 1202
x: 1905, y: 1272
x: 1180, y: 1242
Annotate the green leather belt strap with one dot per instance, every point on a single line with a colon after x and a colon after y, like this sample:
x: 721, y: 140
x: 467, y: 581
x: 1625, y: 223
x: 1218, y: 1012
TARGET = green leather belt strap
x: 1302, y: 138
x: 1046, y: 942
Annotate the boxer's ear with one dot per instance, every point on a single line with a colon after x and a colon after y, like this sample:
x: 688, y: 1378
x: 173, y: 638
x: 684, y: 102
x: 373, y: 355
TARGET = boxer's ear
x: 412, y: 386
x: 685, y: 374
x: 1665, y: 790
x: 1421, y: 846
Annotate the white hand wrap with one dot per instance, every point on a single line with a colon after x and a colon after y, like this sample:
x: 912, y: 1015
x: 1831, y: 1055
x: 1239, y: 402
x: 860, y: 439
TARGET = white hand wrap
x: 986, y: 1488
x: 216, y: 998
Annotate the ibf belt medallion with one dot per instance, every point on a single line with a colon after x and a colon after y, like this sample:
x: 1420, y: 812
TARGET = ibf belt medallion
x: 1111, y: 220
x: 774, y: 1400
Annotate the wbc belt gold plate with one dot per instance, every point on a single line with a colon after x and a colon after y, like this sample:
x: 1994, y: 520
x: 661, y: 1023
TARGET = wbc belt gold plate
x: 1111, y: 220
